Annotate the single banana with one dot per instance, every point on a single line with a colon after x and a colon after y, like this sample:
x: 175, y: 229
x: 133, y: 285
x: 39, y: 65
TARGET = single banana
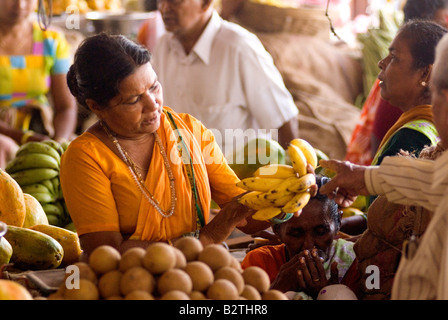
x: 303, y: 183
x: 49, y: 185
x: 55, y: 145
x: 43, y: 197
x: 254, y: 200
x: 298, y: 202
x: 266, y: 213
x: 31, y: 176
x: 31, y: 160
x: 35, y: 188
x: 53, y: 220
x: 277, y: 171
x: 308, y: 151
x: 52, y: 209
x: 38, y: 147
x: 298, y: 159
x: 280, y: 202
x: 283, y: 189
x: 56, y: 186
x: 258, y: 184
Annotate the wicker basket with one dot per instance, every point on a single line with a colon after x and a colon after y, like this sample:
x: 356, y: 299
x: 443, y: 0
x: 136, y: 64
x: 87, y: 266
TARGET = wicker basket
x: 304, y: 20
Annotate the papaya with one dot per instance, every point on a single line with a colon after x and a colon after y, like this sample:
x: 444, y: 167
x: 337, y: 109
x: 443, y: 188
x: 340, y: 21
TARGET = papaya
x: 256, y: 153
x: 33, y: 250
x: 5, y: 246
x: 68, y: 239
x: 11, y: 290
x: 5, y: 251
x: 12, y: 202
x: 35, y: 214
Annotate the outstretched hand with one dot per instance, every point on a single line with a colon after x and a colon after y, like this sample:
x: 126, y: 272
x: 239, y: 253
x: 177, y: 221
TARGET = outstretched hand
x: 347, y: 184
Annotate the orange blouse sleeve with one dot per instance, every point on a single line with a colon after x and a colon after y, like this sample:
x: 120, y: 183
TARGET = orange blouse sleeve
x: 221, y: 177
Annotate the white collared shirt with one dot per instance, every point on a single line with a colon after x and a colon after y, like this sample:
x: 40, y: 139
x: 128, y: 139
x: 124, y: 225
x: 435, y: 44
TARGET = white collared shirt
x: 424, y: 275
x: 228, y: 81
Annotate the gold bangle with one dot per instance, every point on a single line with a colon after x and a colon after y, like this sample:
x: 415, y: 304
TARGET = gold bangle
x: 26, y: 135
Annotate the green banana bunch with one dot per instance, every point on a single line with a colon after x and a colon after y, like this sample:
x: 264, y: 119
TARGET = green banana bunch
x: 36, y: 169
x: 375, y: 44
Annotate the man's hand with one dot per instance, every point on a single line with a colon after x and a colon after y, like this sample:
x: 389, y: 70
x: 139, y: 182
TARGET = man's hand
x: 347, y: 184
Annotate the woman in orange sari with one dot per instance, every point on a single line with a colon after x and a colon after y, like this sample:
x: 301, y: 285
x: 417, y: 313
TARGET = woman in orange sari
x: 142, y: 172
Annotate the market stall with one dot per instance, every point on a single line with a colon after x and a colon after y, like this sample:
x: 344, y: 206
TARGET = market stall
x: 39, y: 248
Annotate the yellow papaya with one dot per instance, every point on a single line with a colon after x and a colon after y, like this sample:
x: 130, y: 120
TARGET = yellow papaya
x: 33, y: 250
x: 12, y: 202
x: 11, y: 290
x: 35, y: 214
x: 5, y: 246
x: 5, y: 251
x: 68, y: 239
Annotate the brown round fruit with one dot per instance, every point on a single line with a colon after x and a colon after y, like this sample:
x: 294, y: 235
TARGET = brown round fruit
x: 274, y: 295
x: 85, y: 272
x: 175, y: 295
x: 222, y: 289
x: 196, y: 295
x: 201, y: 275
x: 231, y: 274
x: 132, y: 257
x: 257, y: 277
x: 190, y: 246
x: 215, y: 256
x: 139, y: 295
x: 104, y: 259
x: 86, y: 291
x: 137, y: 278
x: 181, y: 261
x: 174, y: 279
x: 159, y: 257
x: 109, y: 284
x: 250, y: 293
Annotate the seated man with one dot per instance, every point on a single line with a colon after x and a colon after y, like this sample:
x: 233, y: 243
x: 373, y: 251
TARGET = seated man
x: 310, y: 257
x: 221, y: 74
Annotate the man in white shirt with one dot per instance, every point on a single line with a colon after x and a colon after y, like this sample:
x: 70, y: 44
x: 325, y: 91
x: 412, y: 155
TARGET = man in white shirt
x: 423, y: 269
x: 221, y: 74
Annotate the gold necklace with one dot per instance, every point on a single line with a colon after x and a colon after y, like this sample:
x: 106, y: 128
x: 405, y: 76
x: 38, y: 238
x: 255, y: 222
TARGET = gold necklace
x: 138, y: 177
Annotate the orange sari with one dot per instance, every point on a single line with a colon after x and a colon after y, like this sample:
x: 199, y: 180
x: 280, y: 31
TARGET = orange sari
x: 102, y: 195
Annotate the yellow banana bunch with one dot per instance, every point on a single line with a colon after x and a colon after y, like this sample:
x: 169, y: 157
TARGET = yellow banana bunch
x: 36, y: 169
x: 281, y: 189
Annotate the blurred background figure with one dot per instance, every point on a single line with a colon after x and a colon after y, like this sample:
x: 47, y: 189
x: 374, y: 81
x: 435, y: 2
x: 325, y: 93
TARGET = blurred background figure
x: 35, y: 103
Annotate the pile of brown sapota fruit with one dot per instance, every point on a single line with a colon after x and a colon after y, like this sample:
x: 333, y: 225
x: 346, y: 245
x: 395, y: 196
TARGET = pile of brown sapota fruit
x: 185, y: 271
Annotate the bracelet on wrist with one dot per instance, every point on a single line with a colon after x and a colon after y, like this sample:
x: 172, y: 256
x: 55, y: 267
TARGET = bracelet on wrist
x: 26, y: 135
x: 284, y: 218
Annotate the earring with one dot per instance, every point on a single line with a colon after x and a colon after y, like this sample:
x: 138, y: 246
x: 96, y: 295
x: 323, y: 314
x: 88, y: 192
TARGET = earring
x: 424, y: 84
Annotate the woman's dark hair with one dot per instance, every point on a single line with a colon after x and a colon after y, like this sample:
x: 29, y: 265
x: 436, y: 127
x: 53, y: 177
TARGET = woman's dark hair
x: 422, y: 38
x: 423, y: 9
x: 101, y: 62
x: 329, y: 205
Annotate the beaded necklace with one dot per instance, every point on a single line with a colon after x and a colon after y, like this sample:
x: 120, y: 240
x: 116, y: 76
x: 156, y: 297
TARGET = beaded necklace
x: 138, y: 177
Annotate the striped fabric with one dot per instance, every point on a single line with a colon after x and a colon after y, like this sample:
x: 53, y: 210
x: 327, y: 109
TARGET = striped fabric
x: 25, y: 80
x: 422, y: 275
